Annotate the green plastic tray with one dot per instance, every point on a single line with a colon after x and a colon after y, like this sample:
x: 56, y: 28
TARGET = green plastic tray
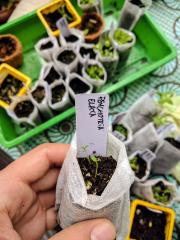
x: 150, y: 52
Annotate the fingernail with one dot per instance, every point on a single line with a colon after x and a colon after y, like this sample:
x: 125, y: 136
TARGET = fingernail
x: 103, y: 231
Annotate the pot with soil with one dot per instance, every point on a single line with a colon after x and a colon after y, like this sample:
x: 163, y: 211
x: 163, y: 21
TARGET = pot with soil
x: 22, y: 110
x: 92, y: 25
x: 6, y: 9
x: 121, y: 131
x: 107, y: 54
x: 53, y: 12
x: 132, y: 12
x: 12, y: 83
x: 88, y: 6
x: 94, y: 73
x: 158, y: 191
x: 50, y: 74
x: 38, y: 95
x: 149, y: 221
x: 46, y: 47
x: 78, y: 85
x: 10, y: 50
x: 123, y: 42
x: 140, y: 166
x: 86, y: 51
x: 66, y: 59
x: 100, y: 184
x: 58, y: 96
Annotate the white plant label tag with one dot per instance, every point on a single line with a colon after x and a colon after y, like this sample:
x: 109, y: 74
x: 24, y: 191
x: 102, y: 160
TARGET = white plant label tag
x: 92, y: 124
x: 147, y: 155
x: 62, y: 24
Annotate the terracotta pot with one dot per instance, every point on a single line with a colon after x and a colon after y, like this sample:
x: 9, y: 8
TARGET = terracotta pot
x: 95, y: 36
x: 15, y: 59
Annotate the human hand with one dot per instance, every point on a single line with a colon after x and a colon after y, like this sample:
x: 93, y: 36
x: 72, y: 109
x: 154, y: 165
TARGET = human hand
x: 27, y: 198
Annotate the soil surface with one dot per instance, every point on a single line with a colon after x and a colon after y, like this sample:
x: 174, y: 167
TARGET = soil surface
x: 90, y: 23
x: 52, y: 76
x: 39, y: 94
x: 7, y: 46
x: 96, y: 179
x: 138, y: 3
x: 174, y: 142
x: 72, y: 38
x: 148, y: 225
x: 9, y: 88
x: 66, y: 57
x: 140, y: 172
x: 24, y: 109
x: 53, y: 17
x: 87, y: 51
x: 58, y: 93
x: 78, y: 86
x: 46, y: 45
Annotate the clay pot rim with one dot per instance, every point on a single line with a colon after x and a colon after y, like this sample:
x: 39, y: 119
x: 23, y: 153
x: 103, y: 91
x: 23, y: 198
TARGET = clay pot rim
x: 94, y: 36
x: 18, y: 46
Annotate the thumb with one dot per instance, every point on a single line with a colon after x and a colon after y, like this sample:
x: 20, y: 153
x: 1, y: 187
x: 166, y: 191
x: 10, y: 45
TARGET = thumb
x: 98, y: 229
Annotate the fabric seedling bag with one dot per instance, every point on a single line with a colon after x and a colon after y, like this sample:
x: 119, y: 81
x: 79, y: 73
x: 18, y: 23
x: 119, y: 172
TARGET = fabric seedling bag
x: 96, y: 6
x: 167, y: 157
x: 58, y: 106
x: 124, y: 49
x: 75, y: 205
x: 62, y: 67
x: 131, y: 13
x: 42, y: 106
x: 47, y: 54
x: 45, y: 70
x: 94, y: 82
x: 33, y: 119
x: 148, y: 162
x: 80, y: 38
x: 145, y: 191
x: 146, y: 137
x: 73, y: 76
x: 141, y: 112
x: 86, y: 46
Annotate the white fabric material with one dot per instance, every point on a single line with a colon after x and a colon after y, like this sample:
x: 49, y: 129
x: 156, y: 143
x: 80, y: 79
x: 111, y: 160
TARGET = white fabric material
x: 144, y: 190
x: 131, y: 13
x: 75, y: 205
x: 33, y: 119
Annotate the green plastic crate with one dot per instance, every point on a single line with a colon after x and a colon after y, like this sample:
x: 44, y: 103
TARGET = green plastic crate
x: 150, y: 52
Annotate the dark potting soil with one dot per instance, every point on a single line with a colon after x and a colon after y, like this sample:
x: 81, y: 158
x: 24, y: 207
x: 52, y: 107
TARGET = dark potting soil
x: 138, y: 3
x: 9, y: 88
x: 46, y: 45
x: 7, y: 47
x: 66, y: 56
x: 87, y: 51
x: 24, y: 109
x: 97, y: 178
x: 52, y: 76
x: 72, y: 38
x: 58, y: 93
x: 92, y: 23
x: 142, y: 166
x: 39, y: 94
x: 174, y: 142
x: 148, y: 225
x: 53, y: 17
x: 78, y: 86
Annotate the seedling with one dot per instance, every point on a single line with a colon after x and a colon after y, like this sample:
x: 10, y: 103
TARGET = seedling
x: 121, y: 129
x: 95, y: 72
x: 105, y: 47
x: 121, y: 37
x: 161, y: 192
x: 165, y: 97
x: 138, y: 165
x: 134, y: 164
x: 95, y: 160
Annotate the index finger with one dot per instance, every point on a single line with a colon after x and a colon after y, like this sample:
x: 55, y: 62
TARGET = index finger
x: 34, y: 165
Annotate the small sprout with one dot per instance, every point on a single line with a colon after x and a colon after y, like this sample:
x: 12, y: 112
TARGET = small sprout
x: 150, y: 224
x: 161, y: 192
x: 95, y: 72
x: 141, y: 221
x: 165, y: 97
x: 94, y: 160
x: 134, y: 164
x: 122, y: 37
x: 88, y: 185
x: 121, y: 129
x: 105, y: 47
x: 159, y: 120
